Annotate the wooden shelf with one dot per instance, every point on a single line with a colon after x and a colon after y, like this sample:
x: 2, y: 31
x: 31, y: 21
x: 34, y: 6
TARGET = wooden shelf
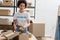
x: 6, y: 27
x: 7, y: 15
x: 12, y: 16
x: 32, y: 16
x: 7, y: 6
x: 15, y: 6
x: 26, y: 7
x: 30, y: 7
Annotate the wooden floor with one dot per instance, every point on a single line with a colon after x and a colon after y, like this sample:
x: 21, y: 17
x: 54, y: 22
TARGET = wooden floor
x: 39, y: 38
x: 45, y: 38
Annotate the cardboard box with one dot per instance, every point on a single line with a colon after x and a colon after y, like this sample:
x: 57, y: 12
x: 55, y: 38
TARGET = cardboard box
x: 5, y: 22
x: 2, y: 38
x: 39, y: 38
x: 29, y: 4
x: 23, y: 36
x: 4, y: 12
x: 9, y: 35
x: 37, y: 29
x: 7, y: 2
x: 31, y: 28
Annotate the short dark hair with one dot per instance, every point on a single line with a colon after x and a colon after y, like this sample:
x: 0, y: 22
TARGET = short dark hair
x: 19, y: 2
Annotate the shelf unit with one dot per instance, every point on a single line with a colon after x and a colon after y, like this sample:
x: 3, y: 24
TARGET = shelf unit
x: 15, y: 9
x: 7, y: 16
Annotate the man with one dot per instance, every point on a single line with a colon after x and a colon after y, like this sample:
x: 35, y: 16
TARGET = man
x: 21, y: 18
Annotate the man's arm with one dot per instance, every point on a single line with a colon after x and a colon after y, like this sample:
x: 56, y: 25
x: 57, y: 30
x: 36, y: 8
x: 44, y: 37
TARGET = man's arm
x: 28, y: 21
x: 15, y: 23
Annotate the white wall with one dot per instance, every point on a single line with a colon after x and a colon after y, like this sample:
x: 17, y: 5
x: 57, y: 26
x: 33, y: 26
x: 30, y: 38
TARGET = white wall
x: 58, y: 2
x: 46, y: 11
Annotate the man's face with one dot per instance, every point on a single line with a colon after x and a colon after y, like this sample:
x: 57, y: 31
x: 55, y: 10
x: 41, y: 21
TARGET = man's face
x: 22, y: 6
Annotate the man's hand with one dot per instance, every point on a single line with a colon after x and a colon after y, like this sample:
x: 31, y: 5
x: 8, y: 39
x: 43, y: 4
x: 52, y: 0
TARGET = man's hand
x: 22, y: 28
x: 15, y: 28
x: 15, y: 23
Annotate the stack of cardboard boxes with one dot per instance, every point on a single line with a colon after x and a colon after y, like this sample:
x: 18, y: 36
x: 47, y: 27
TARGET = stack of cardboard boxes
x: 5, y: 12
